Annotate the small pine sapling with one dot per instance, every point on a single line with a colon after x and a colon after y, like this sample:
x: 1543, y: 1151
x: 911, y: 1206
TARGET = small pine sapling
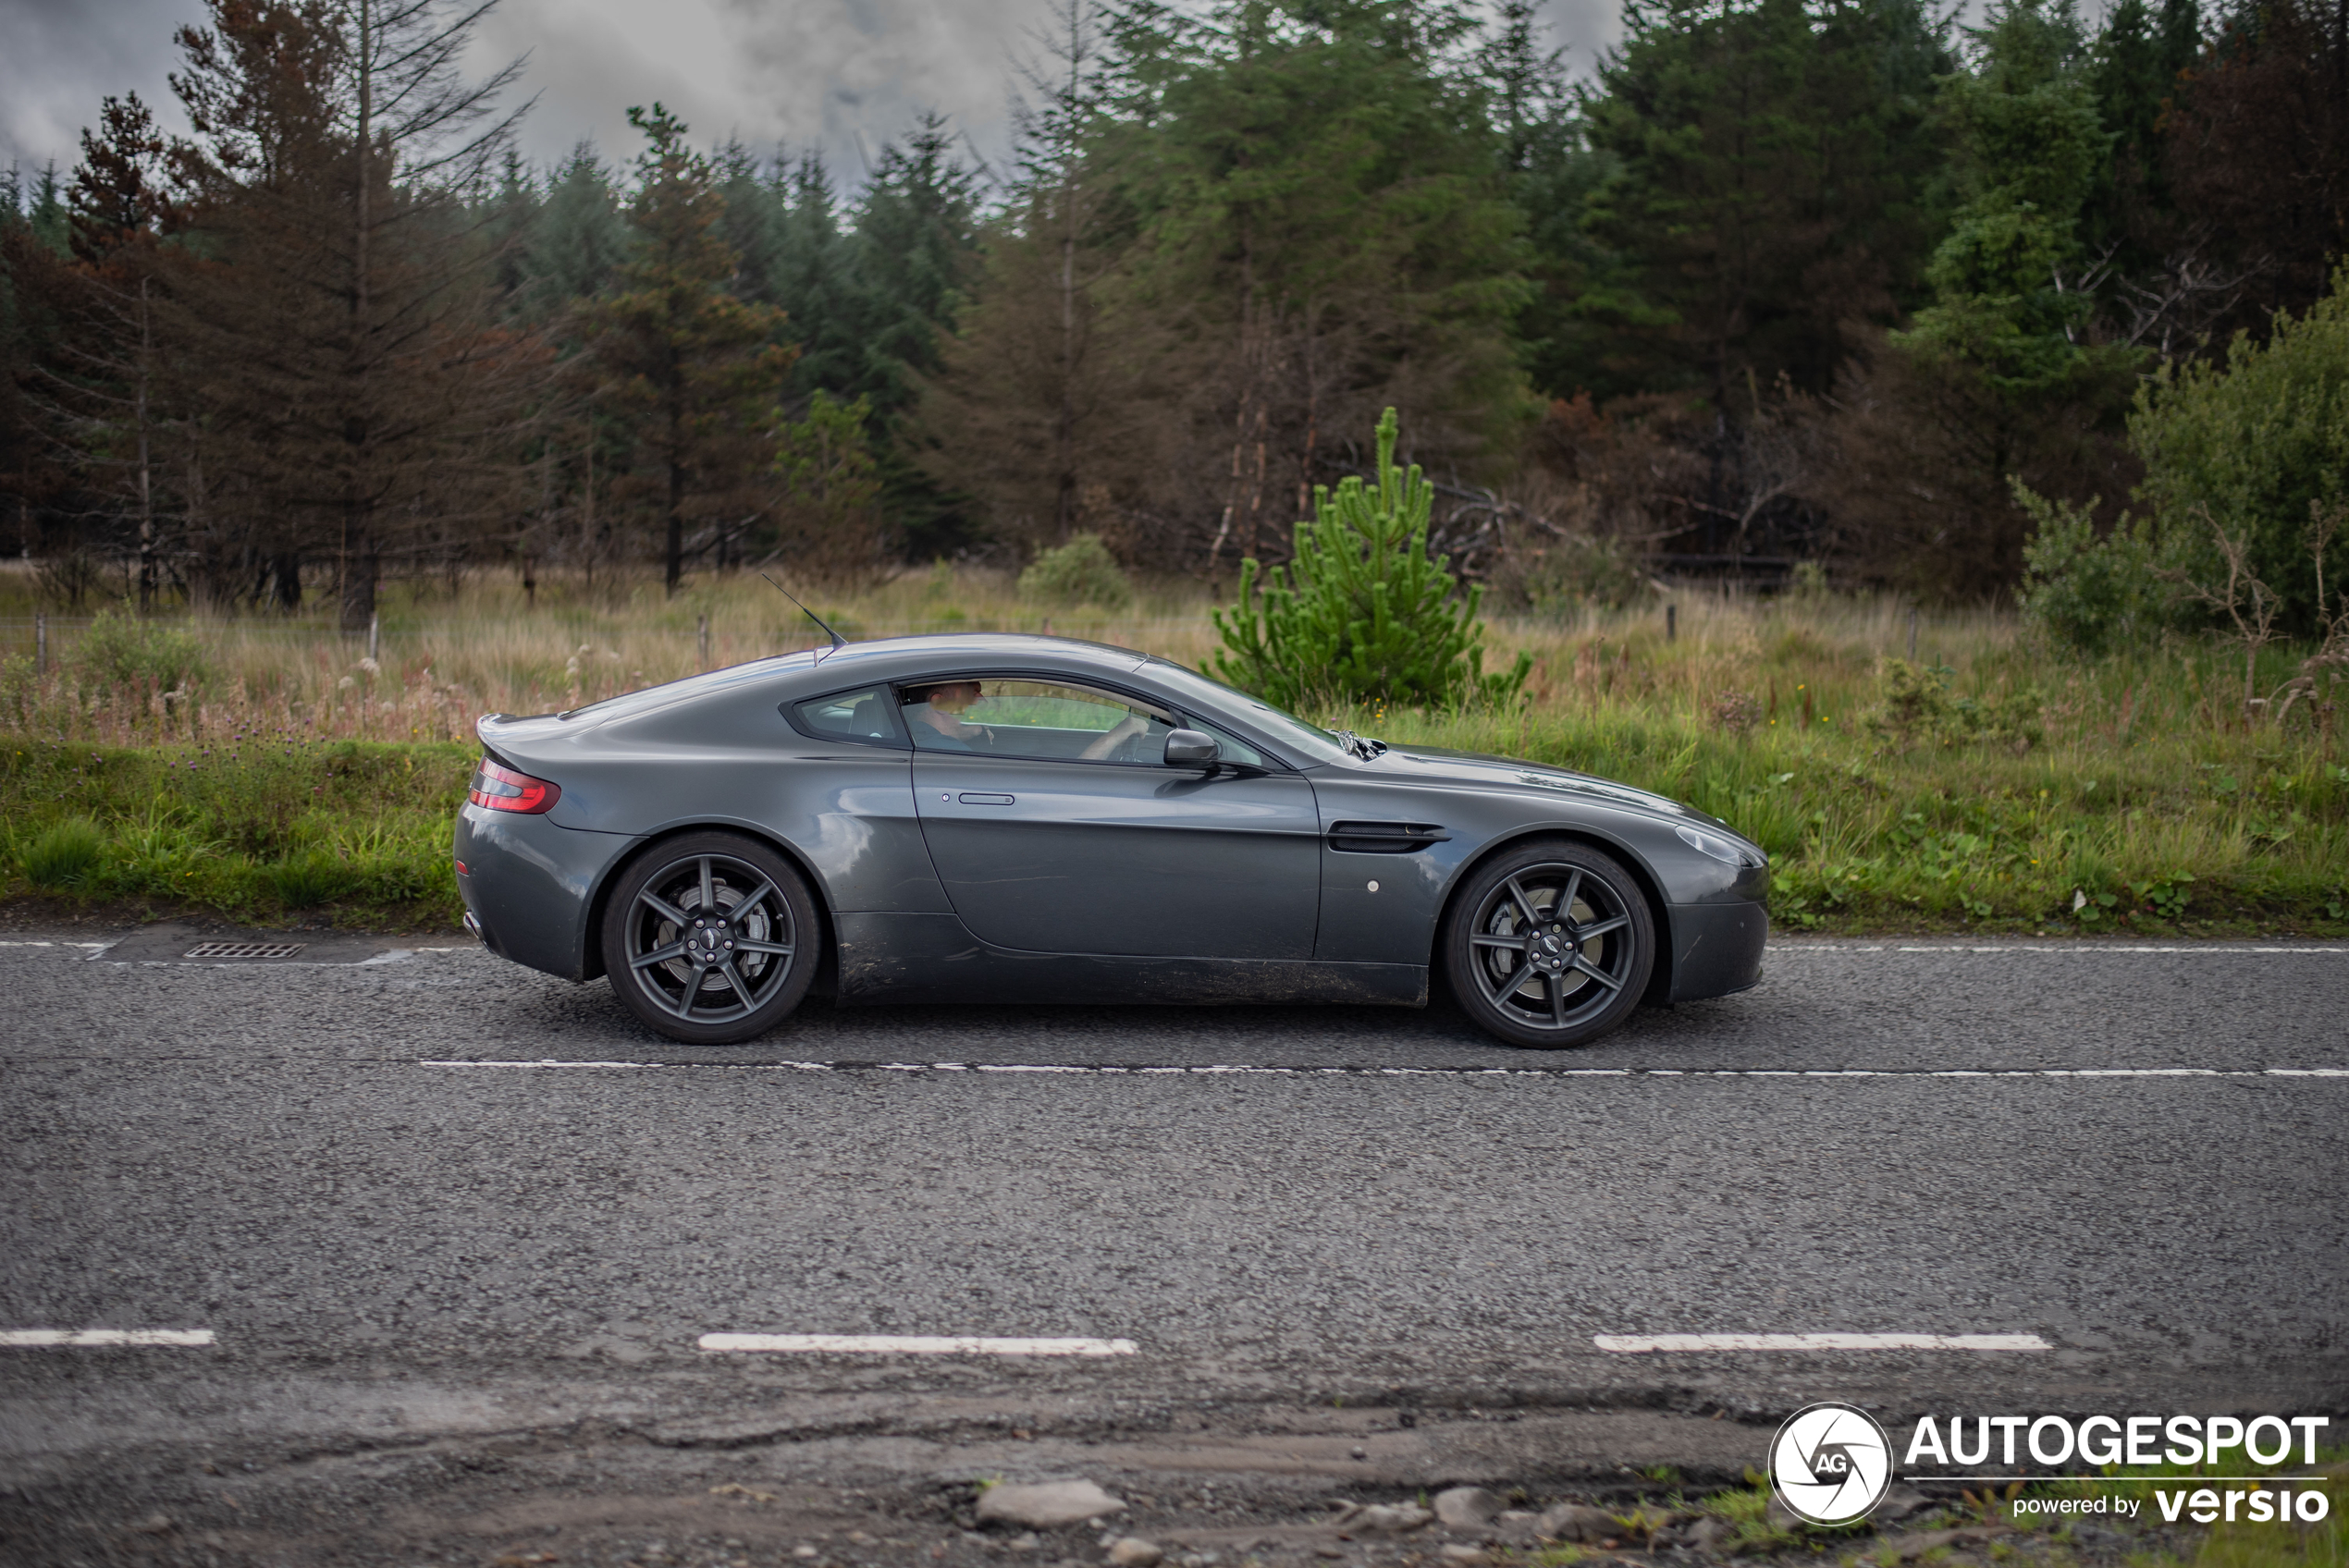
x: 1363, y: 613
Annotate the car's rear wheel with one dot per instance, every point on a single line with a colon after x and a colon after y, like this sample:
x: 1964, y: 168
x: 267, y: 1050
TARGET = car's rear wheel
x: 711, y: 939
x: 1550, y: 944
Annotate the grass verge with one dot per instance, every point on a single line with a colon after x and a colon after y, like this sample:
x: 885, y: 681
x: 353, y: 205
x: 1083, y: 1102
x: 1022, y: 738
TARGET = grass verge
x: 1938, y: 775
x: 2206, y: 832
x: 255, y: 826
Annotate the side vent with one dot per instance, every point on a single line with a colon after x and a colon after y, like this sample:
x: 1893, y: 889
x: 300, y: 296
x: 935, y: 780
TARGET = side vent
x: 1385, y: 837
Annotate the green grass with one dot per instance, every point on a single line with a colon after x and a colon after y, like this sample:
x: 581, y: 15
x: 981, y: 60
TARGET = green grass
x: 2324, y: 1544
x: 2198, y: 830
x: 1987, y: 787
x: 255, y: 826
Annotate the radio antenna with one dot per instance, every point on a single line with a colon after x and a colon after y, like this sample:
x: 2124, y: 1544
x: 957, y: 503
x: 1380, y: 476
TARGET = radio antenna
x: 839, y: 642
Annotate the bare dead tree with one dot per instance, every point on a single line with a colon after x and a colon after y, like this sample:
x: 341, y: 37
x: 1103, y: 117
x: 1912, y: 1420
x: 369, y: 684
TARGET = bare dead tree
x: 337, y: 308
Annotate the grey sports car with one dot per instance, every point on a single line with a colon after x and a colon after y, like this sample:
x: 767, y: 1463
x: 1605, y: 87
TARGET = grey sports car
x: 1014, y: 818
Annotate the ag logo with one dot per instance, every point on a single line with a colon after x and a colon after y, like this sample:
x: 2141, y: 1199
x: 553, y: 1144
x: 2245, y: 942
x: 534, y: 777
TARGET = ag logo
x: 1830, y: 1464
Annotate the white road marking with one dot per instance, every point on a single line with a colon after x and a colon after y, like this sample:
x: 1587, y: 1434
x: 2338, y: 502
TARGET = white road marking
x: 1095, y: 1071
x: 43, y: 1339
x: 2057, y: 947
x: 1641, y: 1345
x: 2060, y: 947
x: 914, y: 1345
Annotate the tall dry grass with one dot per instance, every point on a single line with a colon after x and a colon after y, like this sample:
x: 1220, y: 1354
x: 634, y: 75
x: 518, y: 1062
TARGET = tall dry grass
x: 2129, y: 794
x: 445, y: 654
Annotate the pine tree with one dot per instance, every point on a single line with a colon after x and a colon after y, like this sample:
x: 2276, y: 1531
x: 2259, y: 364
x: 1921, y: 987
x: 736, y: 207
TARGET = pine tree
x: 336, y: 318
x: 115, y: 364
x: 830, y: 516
x: 694, y: 372
x: 47, y: 213
x: 1362, y: 613
x: 812, y: 278
x: 1771, y: 190
x: 579, y: 236
x: 2259, y: 151
x: 1320, y: 211
x: 2029, y: 145
x: 915, y: 254
x: 1040, y: 409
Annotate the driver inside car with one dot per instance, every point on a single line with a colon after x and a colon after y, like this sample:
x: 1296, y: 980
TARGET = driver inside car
x: 1116, y: 735
x: 939, y: 708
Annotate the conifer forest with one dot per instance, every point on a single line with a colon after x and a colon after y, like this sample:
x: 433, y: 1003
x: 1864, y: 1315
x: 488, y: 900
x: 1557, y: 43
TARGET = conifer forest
x: 1783, y: 287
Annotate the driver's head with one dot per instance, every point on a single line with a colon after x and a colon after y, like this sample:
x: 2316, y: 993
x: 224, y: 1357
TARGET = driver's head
x: 952, y: 696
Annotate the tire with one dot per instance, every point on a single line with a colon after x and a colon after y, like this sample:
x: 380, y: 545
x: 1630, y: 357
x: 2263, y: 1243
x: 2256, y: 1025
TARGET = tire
x: 726, y: 981
x: 1531, y: 978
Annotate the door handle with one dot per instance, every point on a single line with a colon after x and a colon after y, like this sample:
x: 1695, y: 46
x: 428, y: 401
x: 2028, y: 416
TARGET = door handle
x: 986, y: 799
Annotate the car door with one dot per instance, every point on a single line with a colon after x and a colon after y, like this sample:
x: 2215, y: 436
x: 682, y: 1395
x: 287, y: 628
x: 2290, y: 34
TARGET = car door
x: 1056, y: 825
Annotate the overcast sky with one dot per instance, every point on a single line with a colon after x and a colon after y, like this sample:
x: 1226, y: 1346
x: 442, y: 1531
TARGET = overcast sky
x: 850, y: 74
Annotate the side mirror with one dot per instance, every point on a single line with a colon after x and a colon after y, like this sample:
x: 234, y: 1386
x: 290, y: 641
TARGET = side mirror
x: 1188, y: 748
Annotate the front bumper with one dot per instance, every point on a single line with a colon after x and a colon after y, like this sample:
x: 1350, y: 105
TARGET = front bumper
x: 1717, y: 948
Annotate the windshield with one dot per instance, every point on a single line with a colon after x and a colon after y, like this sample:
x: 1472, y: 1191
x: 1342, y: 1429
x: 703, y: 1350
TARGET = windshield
x: 1314, y: 743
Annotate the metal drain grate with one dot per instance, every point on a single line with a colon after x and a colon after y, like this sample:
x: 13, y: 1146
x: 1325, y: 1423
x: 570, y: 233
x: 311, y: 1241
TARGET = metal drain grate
x: 244, y: 950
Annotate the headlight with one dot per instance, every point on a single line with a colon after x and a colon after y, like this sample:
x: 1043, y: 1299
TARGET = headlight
x: 1720, y: 848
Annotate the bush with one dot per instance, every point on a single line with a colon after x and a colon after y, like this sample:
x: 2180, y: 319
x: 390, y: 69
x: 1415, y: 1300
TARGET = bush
x: 1919, y: 705
x: 1363, y: 613
x: 123, y: 651
x: 1079, y: 572
x: 2094, y: 596
x: 1561, y: 576
x: 2246, y: 448
x: 63, y: 856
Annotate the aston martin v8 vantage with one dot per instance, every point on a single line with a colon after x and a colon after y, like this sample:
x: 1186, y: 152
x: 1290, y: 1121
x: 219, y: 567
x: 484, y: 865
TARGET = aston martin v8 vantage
x: 987, y: 817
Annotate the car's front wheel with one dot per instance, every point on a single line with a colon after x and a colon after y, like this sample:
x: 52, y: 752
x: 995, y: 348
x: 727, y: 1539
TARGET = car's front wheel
x: 1550, y: 944
x: 710, y: 939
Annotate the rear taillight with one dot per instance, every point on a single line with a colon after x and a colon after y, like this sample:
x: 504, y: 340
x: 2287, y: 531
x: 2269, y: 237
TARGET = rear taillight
x: 501, y: 788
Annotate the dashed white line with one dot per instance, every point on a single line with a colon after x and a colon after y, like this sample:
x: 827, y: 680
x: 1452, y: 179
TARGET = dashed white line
x: 2214, y: 948
x: 45, y: 1339
x: 548, y: 1065
x: 913, y: 1344
x: 1643, y: 1345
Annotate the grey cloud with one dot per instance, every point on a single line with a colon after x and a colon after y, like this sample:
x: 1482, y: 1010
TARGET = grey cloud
x: 849, y: 74
x: 857, y: 72
x: 62, y: 56
x: 845, y: 74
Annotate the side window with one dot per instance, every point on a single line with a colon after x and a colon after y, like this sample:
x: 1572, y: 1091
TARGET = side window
x: 1034, y: 718
x: 864, y: 716
x: 1234, y: 749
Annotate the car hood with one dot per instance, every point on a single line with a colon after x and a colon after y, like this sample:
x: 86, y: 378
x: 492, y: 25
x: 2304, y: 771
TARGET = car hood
x: 1434, y: 765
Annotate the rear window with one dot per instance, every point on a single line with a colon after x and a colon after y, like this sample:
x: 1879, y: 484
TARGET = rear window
x: 866, y: 716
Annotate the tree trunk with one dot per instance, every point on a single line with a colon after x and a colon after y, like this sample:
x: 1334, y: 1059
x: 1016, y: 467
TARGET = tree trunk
x: 1064, y: 428
x: 146, y: 489
x: 1248, y: 395
x: 676, y: 526
x: 285, y: 570
x: 358, y: 528
x: 588, y: 517
x: 359, y: 568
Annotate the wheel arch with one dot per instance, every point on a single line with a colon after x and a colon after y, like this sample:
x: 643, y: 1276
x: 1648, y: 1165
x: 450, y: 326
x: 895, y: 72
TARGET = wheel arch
x: 1659, y: 986
x: 600, y: 901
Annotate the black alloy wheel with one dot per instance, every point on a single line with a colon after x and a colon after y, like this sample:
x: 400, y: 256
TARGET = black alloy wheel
x: 1550, y: 944
x: 711, y: 939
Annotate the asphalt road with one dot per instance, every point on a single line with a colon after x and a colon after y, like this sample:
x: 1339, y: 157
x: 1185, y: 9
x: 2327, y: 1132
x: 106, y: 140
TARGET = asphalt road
x: 2132, y: 1153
